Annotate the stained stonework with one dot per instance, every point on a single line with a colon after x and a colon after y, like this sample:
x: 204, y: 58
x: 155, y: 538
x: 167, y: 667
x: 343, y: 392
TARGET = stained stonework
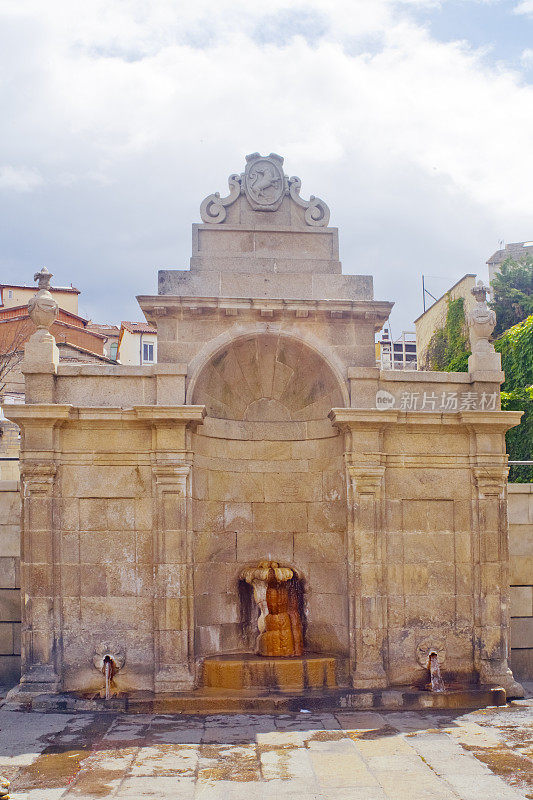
x: 265, y: 432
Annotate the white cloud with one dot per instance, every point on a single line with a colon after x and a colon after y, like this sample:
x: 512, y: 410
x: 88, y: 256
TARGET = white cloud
x: 527, y: 57
x: 525, y: 7
x: 139, y: 107
x: 19, y: 179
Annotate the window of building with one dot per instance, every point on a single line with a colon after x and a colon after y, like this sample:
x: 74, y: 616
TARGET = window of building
x: 10, y: 294
x: 148, y: 352
x: 113, y: 350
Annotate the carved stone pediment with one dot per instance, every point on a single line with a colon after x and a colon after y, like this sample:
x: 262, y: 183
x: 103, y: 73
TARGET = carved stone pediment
x: 264, y: 185
x: 264, y: 182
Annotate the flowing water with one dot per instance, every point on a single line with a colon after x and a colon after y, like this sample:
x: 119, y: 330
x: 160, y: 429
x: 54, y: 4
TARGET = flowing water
x: 437, y: 684
x: 108, y: 672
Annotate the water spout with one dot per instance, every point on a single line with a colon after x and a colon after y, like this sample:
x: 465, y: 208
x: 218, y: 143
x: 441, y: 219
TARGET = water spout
x: 437, y: 684
x: 108, y: 673
x: 108, y: 660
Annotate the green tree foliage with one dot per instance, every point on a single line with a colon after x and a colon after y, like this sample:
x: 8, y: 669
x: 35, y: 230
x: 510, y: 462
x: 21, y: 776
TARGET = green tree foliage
x: 513, y: 293
x: 516, y: 347
x: 448, y: 349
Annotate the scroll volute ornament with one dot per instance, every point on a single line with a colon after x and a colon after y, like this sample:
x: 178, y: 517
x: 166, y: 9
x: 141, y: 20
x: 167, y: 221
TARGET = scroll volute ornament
x: 42, y: 307
x: 264, y: 184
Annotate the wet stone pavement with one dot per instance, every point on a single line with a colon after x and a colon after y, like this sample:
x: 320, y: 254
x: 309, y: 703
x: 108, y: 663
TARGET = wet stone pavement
x: 480, y: 755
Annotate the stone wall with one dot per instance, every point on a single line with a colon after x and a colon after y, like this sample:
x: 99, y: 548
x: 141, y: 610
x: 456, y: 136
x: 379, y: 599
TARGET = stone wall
x: 435, y: 317
x: 265, y: 431
x: 9, y: 581
x: 9, y: 451
x: 268, y: 482
x: 521, y: 577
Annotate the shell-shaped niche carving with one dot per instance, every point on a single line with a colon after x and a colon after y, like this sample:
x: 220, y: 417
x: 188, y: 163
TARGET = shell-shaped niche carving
x: 268, y: 378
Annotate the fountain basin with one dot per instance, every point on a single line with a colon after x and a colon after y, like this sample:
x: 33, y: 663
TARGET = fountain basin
x: 271, y: 674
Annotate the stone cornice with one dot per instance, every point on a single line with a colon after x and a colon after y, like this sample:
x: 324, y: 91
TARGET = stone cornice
x: 38, y: 413
x: 54, y: 414
x: 121, y: 370
x: 155, y: 306
x: 161, y: 415
x: 476, y: 421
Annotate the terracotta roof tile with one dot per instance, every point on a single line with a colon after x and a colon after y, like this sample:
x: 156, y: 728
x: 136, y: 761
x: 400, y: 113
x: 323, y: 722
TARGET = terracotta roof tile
x: 139, y: 327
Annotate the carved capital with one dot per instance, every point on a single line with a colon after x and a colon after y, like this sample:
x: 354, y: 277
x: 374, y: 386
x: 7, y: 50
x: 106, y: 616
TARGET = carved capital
x: 37, y: 476
x: 490, y: 480
x: 171, y: 474
x: 366, y: 479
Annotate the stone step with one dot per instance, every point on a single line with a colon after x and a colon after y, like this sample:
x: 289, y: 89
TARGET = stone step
x: 212, y: 701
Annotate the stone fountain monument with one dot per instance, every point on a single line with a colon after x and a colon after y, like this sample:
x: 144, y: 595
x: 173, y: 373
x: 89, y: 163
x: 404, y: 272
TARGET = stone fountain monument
x: 264, y: 447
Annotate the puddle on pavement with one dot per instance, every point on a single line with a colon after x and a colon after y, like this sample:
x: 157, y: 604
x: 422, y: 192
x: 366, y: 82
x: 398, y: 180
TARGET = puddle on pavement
x: 235, y: 764
x: 515, y: 769
x: 50, y: 770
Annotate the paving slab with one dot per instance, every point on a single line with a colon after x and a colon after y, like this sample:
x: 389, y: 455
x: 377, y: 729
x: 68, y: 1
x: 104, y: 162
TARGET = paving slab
x: 349, y: 755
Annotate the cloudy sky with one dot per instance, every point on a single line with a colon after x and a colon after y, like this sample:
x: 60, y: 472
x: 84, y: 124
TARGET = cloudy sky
x: 413, y: 119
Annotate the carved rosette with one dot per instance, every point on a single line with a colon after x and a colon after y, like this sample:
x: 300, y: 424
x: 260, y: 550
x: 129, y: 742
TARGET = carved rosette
x: 264, y: 185
x: 104, y: 649
x: 427, y: 646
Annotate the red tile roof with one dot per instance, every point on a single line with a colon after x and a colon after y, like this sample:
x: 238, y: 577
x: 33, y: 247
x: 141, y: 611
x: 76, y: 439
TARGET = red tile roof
x: 106, y: 329
x: 138, y: 327
x: 71, y: 289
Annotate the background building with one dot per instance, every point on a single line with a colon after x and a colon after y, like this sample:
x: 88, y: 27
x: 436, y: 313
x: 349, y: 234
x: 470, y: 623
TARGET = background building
x: 12, y: 294
x: 137, y: 343
x: 435, y: 316
x: 111, y: 334
x: 515, y: 250
x: 399, y: 353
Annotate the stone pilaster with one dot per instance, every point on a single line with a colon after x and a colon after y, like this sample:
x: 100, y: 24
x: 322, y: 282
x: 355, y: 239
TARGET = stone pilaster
x: 366, y: 558
x: 40, y: 568
x: 173, y: 579
x: 40, y: 670
x: 366, y: 543
x: 174, y: 662
x: 491, y: 565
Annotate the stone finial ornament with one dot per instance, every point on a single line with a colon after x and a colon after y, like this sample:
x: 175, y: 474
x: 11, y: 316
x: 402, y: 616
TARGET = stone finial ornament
x: 42, y: 307
x: 264, y: 185
x: 481, y: 320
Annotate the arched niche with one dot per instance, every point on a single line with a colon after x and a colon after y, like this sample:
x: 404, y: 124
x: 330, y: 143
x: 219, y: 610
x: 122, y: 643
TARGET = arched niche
x: 268, y: 482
